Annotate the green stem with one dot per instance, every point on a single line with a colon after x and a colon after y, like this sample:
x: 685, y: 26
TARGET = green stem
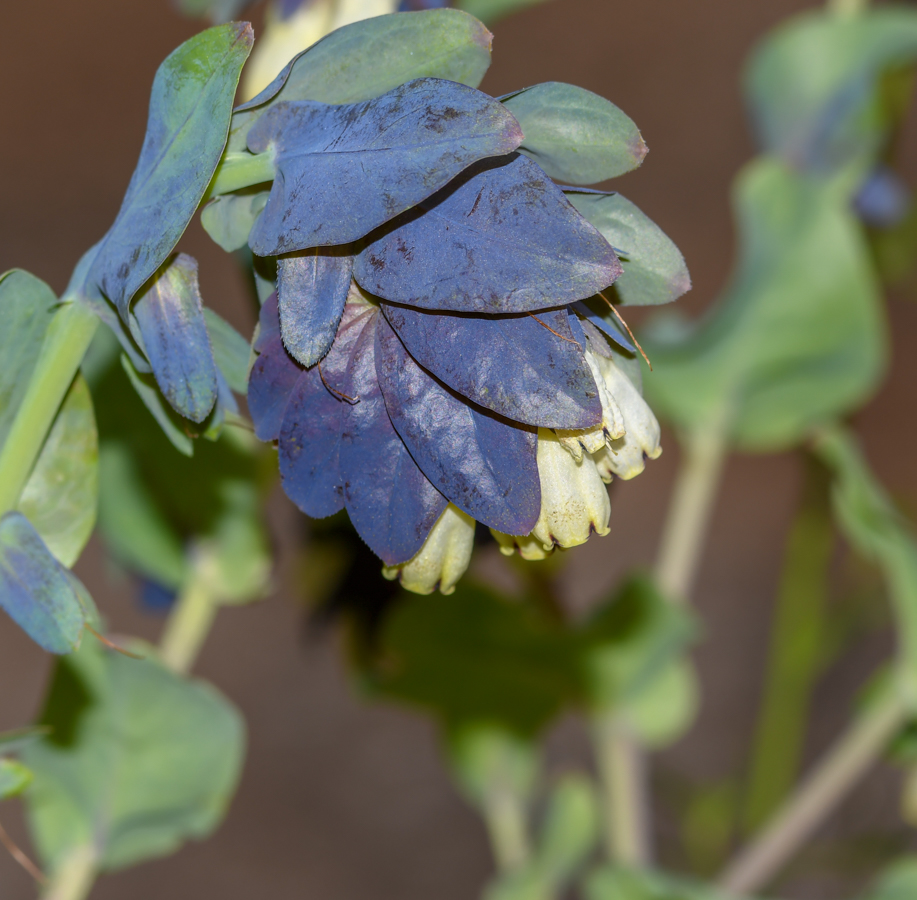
x: 74, y: 878
x: 505, y: 816
x: 796, y: 655
x: 703, y: 454
x: 189, y: 623
x: 241, y: 170
x: 65, y: 345
x: 847, y: 7
x: 817, y: 796
x: 621, y: 765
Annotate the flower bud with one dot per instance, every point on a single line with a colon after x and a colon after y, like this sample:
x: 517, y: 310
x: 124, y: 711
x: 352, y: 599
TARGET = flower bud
x: 443, y: 558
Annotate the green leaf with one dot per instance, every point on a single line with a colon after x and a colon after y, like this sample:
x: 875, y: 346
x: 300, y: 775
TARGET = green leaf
x: 190, y: 111
x: 491, y: 10
x: 576, y: 136
x: 654, y: 269
x: 812, y: 85
x: 139, y: 760
x: 230, y: 350
x: 14, y: 778
x: 371, y: 57
x: 39, y: 594
x: 799, y: 336
x: 169, y: 421
x: 898, y: 882
x: 229, y: 219
x: 570, y: 830
x: 609, y: 883
x: 61, y: 495
x: 26, y: 308
x: 13, y: 741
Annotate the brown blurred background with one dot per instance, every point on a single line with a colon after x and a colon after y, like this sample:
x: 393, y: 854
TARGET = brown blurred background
x: 343, y: 800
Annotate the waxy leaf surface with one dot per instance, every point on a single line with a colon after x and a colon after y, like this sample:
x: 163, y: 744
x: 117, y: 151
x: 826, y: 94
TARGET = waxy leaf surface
x: 26, y: 309
x: 602, y: 319
x: 390, y: 501
x: 37, y: 592
x: 574, y: 135
x: 312, y: 288
x: 501, y: 238
x: 484, y: 465
x: 344, y: 170
x: 370, y: 58
x: 313, y: 423
x: 190, y: 111
x: 62, y: 493
x: 139, y: 760
x: 230, y: 218
x: 514, y: 366
x: 654, y: 269
x: 170, y: 317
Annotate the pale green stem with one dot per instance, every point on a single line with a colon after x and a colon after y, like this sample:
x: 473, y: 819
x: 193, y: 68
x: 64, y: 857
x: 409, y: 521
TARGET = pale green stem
x: 241, y: 170
x: 621, y: 765
x: 188, y: 624
x: 847, y: 7
x: 817, y: 797
x: 507, y: 826
x: 74, y: 878
x: 65, y: 345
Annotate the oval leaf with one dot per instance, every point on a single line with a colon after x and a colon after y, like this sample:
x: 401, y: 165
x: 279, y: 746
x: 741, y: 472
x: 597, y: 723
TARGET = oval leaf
x: 229, y: 219
x: 527, y: 370
x: 344, y: 170
x: 501, y: 238
x: 574, y: 135
x: 482, y: 464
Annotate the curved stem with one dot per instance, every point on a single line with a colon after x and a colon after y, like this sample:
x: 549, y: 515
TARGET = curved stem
x: 505, y: 816
x: 74, y: 878
x: 847, y: 7
x: 65, y: 345
x: 817, y: 797
x: 189, y: 623
x: 241, y: 170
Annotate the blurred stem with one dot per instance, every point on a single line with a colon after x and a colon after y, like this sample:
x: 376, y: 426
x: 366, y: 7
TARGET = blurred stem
x: 847, y: 7
x: 74, y: 878
x: 621, y: 767
x: 241, y: 170
x: 703, y: 454
x: 817, y: 797
x: 65, y: 345
x: 504, y: 813
x: 189, y: 623
x: 795, y: 656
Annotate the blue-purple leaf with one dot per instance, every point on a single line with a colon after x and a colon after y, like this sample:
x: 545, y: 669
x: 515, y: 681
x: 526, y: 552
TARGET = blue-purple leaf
x: 484, y: 465
x: 390, y: 501
x: 37, y: 592
x: 172, y: 331
x: 502, y: 238
x: 190, y: 111
x: 527, y: 370
x: 312, y: 288
x: 605, y: 321
x: 313, y: 424
x: 272, y: 379
x: 344, y: 170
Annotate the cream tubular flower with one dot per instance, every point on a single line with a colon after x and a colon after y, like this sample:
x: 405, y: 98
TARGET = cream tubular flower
x: 612, y: 424
x: 442, y: 560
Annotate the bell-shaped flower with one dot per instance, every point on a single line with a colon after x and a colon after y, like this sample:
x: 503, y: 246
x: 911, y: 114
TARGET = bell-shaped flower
x: 443, y: 558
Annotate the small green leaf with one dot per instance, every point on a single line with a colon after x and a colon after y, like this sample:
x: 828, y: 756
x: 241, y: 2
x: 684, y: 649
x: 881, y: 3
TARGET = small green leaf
x: 666, y: 708
x: 169, y: 421
x: 654, y: 269
x: 230, y: 350
x: 61, y: 495
x: 37, y: 592
x: 26, y: 308
x: 230, y: 218
x: 576, y: 136
x: 898, y: 882
x: 14, y: 778
x: 570, y: 830
x: 369, y: 58
x: 139, y: 760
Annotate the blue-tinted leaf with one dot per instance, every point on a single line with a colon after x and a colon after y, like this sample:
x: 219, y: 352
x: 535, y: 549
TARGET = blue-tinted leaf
x: 190, y: 111
x: 168, y: 419
x: 170, y: 317
x: 26, y: 308
x: 37, y: 592
x: 313, y: 424
x: 574, y: 135
x: 272, y: 379
x: 344, y: 170
x: 230, y: 218
x: 482, y: 464
x: 312, y: 288
x: 231, y: 351
x: 501, y: 238
x: 606, y: 322
x: 390, y: 501
x: 654, y: 269
x: 268, y: 322
x: 514, y: 366
x: 369, y: 58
